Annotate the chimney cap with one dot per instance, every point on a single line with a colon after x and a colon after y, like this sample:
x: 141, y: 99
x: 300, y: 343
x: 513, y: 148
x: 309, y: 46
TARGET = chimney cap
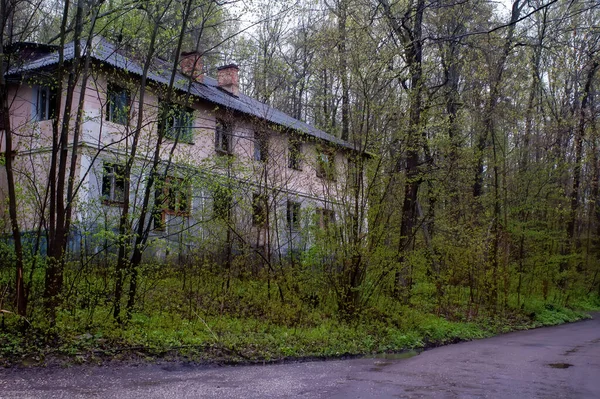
x: 228, y: 66
x: 191, y: 65
x: 188, y: 53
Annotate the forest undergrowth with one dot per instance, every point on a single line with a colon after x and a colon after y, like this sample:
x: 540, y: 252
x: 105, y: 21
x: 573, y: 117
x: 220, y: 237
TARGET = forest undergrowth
x: 209, y: 318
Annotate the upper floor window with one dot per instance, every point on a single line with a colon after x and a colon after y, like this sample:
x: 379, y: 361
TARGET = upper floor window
x: 177, y: 122
x: 294, y: 154
x: 326, y: 164
x: 113, y: 183
x: 293, y: 215
x: 354, y: 174
x: 261, y: 146
x: 117, y: 106
x: 223, y: 137
x: 44, y: 103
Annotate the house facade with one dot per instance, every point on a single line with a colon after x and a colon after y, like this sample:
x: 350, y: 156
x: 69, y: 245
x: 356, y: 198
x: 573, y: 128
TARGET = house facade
x: 229, y: 168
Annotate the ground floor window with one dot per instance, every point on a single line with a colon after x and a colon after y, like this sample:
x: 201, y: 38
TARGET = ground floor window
x: 113, y: 183
x: 293, y: 215
x: 325, y: 217
x: 259, y: 210
x: 172, y: 197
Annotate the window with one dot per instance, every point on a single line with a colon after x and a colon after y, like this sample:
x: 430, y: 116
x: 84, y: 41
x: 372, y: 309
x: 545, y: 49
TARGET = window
x: 222, y: 201
x: 293, y: 215
x: 177, y: 122
x: 158, y: 211
x: 113, y: 183
x: 325, y: 217
x: 259, y: 210
x: 117, y: 106
x: 223, y: 137
x: 177, y: 194
x: 354, y: 174
x: 325, y: 164
x: 294, y: 154
x: 44, y: 103
x: 261, y: 146
x: 172, y: 196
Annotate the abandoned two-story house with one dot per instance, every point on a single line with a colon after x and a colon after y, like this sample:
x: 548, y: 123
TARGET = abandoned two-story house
x: 231, y: 167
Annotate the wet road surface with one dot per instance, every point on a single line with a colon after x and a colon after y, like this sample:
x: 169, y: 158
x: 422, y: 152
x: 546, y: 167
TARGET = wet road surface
x: 557, y: 362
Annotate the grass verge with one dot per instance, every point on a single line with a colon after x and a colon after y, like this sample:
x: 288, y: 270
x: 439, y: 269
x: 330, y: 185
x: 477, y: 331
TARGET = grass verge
x: 165, y: 336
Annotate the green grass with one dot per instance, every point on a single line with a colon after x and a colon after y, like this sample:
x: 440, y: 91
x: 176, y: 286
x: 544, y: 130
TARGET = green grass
x: 247, y: 339
x: 249, y: 323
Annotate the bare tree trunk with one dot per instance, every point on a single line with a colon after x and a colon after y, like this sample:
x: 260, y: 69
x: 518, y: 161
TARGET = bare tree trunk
x: 579, y: 138
x: 123, y: 262
x: 343, y: 58
x: 488, y: 124
x: 59, y: 229
x: 411, y: 36
x: 5, y: 124
x: 593, y: 249
x: 452, y: 76
x: 143, y: 227
x: 71, y: 190
x: 524, y: 163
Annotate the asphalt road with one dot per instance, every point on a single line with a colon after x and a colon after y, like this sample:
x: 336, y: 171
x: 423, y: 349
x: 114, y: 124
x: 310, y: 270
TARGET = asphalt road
x: 557, y: 362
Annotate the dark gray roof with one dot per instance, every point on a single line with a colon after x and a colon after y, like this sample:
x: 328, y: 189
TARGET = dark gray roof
x: 104, y: 51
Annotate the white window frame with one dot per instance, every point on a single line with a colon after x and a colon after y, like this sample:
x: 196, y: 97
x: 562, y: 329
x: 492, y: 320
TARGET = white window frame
x: 42, y: 113
x: 112, y: 176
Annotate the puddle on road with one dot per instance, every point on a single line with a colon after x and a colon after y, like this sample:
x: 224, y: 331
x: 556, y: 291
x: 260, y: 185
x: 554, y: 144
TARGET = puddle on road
x: 386, y: 359
x: 571, y: 351
x: 396, y: 356
x: 560, y: 365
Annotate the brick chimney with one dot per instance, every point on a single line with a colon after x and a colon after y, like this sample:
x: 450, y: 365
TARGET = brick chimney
x: 191, y: 65
x: 227, y: 77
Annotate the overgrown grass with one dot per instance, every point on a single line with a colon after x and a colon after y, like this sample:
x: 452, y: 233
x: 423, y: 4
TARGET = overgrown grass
x: 246, y: 321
